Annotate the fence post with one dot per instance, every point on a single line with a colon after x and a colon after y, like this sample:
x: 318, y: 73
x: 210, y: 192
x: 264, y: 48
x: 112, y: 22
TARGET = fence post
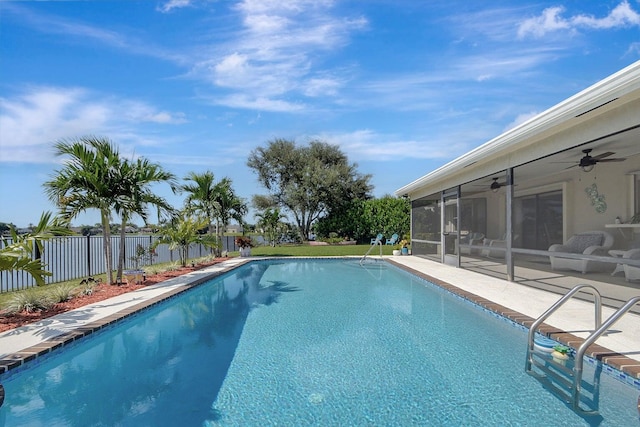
x: 89, y: 255
x: 150, y: 253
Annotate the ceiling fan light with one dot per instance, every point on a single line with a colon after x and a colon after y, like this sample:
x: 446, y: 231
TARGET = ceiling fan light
x: 587, y: 168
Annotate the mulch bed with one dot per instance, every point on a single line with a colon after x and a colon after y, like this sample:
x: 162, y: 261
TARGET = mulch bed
x: 101, y: 291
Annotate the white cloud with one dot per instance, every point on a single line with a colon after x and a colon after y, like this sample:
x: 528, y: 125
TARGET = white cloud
x: 520, y: 119
x: 136, y: 111
x: 251, y: 7
x: 547, y: 22
x: 367, y: 145
x: 634, y: 49
x: 621, y: 16
x: 322, y: 86
x: 278, y: 54
x: 85, y: 33
x: 551, y: 20
x: 173, y: 4
x: 33, y: 119
x: 243, y: 101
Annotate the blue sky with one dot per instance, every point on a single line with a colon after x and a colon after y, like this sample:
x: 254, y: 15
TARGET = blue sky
x: 401, y: 86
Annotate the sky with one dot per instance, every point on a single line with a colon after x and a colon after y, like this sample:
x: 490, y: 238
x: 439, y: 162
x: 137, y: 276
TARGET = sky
x: 401, y: 86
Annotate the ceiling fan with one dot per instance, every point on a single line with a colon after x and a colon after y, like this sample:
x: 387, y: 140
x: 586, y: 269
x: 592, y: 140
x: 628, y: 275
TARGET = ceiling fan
x: 494, y: 186
x: 587, y: 162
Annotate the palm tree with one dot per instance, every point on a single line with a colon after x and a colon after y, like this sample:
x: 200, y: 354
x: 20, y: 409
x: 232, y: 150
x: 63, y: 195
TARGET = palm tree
x: 216, y: 202
x: 201, y: 198
x: 135, y: 179
x: 17, y: 255
x: 269, y: 221
x: 89, y: 179
x: 228, y: 206
x: 181, y: 232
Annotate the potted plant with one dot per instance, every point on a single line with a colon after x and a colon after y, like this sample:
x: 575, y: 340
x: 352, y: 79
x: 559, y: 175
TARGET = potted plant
x: 397, y: 250
x: 245, y: 244
x: 404, y: 247
x: 560, y: 354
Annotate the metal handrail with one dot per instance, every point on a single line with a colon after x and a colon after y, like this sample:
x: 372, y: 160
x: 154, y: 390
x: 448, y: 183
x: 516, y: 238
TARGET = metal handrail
x: 377, y: 242
x: 532, y: 330
x: 579, y: 362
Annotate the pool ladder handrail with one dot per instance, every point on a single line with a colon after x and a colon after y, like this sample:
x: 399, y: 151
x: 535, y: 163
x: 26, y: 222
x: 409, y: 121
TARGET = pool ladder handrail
x: 544, y: 316
x: 534, y: 326
x: 373, y: 245
x: 599, y: 330
x: 579, y: 358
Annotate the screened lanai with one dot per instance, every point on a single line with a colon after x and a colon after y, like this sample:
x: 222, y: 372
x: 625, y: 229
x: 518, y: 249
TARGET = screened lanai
x: 552, y: 201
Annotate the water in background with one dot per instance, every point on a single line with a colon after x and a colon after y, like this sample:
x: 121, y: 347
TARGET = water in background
x: 78, y: 257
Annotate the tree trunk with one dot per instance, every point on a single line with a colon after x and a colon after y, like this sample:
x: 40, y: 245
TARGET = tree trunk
x: 106, y: 243
x: 184, y: 253
x: 122, y: 245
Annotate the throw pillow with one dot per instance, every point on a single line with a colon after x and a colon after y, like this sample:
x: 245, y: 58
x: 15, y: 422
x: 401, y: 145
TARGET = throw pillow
x: 580, y: 242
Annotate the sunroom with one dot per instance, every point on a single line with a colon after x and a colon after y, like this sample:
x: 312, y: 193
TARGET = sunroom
x: 556, y: 197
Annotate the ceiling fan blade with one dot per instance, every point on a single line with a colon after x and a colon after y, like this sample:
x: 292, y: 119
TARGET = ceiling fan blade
x: 603, y: 155
x: 611, y: 160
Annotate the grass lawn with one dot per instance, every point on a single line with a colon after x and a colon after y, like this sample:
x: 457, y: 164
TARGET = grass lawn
x: 328, y: 250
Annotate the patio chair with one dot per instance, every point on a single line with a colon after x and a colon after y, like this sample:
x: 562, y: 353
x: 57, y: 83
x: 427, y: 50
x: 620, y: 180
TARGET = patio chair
x: 471, y: 239
x: 393, y: 240
x: 585, y: 243
x: 377, y: 239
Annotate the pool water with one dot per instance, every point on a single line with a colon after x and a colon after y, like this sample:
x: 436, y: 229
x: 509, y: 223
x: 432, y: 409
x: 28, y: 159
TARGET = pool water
x: 302, y: 342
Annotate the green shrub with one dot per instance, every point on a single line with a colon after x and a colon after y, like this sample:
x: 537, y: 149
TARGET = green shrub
x: 87, y: 288
x: 62, y: 293
x: 172, y: 267
x: 29, y: 301
x: 152, y: 269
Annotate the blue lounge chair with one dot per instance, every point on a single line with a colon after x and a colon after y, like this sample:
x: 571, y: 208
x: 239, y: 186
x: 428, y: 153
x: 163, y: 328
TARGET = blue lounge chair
x: 393, y: 240
x: 377, y: 239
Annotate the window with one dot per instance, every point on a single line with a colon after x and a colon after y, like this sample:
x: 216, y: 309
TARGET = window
x: 538, y: 220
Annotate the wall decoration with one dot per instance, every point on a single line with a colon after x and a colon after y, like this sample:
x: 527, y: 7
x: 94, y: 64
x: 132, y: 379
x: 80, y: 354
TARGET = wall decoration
x: 597, y: 200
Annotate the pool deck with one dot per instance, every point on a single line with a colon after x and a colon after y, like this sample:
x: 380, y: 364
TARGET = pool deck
x: 620, y: 348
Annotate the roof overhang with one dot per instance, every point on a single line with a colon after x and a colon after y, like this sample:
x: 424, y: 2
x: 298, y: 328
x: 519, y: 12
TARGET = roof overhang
x: 607, y: 107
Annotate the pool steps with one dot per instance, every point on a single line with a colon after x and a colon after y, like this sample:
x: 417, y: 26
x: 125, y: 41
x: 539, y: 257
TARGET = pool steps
x: 567, y: 382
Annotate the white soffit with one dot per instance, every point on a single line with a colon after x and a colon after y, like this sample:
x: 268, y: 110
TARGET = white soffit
x: 604, y: 96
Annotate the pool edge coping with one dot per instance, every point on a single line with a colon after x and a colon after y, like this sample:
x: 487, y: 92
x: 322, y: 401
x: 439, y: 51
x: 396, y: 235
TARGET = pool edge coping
x: 17, y: 359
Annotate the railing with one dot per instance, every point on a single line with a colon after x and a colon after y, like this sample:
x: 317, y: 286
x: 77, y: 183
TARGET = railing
x: 569, y: 381
x: 534, y: 327
x: 579, y: 362
x: 373, y: 245
x: 77, y: 257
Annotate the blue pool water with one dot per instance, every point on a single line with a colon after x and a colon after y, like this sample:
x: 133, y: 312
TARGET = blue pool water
x: 302, y: 342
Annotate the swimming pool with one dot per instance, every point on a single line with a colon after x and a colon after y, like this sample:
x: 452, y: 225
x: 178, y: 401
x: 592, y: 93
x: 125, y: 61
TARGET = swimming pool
x: 301, y: 342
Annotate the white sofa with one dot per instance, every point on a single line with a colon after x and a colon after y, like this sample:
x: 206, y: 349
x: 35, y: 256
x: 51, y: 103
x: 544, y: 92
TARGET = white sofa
x: 631, y: 272
x: 587, y: 243
x: 490, y: 246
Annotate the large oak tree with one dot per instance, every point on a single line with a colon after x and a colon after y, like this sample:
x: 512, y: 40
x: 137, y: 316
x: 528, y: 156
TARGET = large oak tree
x: 308, y: 181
